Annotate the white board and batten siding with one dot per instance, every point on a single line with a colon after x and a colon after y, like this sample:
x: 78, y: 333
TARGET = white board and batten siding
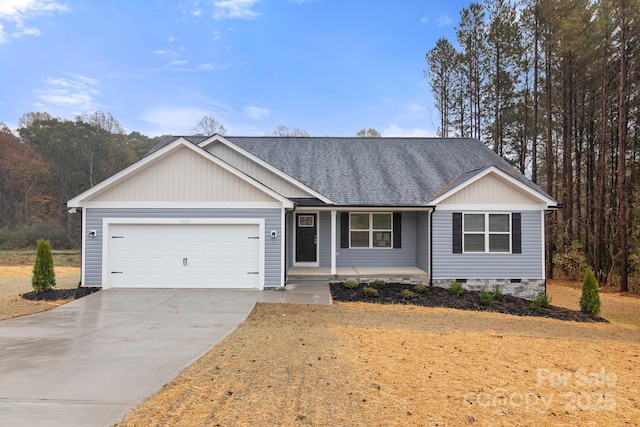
x: 488, y: 190
x: 183, y: 176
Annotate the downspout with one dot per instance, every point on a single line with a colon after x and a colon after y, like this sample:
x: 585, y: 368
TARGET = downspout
x: 431, y: 246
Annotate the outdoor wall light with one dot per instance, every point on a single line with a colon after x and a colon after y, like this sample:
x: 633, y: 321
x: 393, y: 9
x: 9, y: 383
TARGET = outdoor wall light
x: 93, y: 233
x: 274, y: 234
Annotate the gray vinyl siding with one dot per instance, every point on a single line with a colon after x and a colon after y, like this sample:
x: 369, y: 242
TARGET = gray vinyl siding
x: 527, y: 265
x: 325, y: 241
x: 93, y: 246
x: 422, y: 240
x: 403, y: 257
x: 288, y: 220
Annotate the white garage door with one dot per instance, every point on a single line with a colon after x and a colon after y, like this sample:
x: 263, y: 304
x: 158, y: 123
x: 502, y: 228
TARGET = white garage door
x: 184, y: 256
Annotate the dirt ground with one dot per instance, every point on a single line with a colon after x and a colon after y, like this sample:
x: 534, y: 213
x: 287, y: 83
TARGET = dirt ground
x: 374, y: 365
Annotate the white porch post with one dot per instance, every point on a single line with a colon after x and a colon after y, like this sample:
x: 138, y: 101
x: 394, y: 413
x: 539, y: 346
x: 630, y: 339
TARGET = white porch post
x: 333, y: 242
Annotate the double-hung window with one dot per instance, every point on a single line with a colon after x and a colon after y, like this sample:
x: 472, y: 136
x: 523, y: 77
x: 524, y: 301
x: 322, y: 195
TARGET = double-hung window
x: 486, y: 232
x: 370, y: 230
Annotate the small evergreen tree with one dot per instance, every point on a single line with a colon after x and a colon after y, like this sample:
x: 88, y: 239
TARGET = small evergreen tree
x: 43, y: 275
x: 590, y: 299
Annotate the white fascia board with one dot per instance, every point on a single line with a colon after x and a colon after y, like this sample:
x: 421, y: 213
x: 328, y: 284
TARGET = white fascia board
x: 183, y: 205
x: 223, y: 140
x: 544, y: 200
x: 381, y: 208
x: 493, y: 208
x: 83, y: 199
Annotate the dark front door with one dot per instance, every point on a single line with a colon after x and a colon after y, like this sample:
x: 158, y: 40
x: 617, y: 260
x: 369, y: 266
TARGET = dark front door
x: 306, y: 238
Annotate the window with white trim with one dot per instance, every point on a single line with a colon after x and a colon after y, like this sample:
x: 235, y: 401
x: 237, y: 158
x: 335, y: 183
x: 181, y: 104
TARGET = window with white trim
x: 486, y: 232
x: 370, y: 230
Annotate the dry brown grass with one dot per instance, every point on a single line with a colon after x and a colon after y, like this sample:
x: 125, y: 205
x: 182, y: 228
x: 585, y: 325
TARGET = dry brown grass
x: 363, y: 364
x: 16, y: 280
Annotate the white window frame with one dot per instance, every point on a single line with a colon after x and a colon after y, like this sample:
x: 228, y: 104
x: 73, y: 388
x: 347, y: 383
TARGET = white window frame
x: 371, y: 230
x: 487, y: 233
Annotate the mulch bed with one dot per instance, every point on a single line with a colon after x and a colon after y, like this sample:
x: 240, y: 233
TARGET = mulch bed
x: 59, y: 294
x: 469, y: 300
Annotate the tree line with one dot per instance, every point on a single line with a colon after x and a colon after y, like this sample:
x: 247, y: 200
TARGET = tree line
x: 553, y: 87
x: 51, y: 160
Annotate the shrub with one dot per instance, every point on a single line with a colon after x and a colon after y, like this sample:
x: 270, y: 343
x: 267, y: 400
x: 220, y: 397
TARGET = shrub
x: 43, y: 275
x: 407, y: 294
x: 350, y: 284
x: 571, y: 260
x: 497, y: 293
x: 370, y: 292
x: 541, y: 300
x: 486, y: 297
x: 456, y: 288
x: 421, y: 289
x: 378, y: 284
x: 590, y: 299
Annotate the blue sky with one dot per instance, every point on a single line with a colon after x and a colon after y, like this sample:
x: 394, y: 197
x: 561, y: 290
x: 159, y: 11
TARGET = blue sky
x: 330, y: 67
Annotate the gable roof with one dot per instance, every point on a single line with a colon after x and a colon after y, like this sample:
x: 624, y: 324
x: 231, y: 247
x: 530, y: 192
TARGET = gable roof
x: 355, y: 171
x: 172, y: 146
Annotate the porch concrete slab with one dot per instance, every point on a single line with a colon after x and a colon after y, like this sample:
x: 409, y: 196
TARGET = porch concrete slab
x: 88, y: 362
x: 302, y: 273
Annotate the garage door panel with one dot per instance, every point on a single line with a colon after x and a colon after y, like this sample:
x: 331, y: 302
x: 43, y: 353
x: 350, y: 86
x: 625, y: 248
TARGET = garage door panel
x: 196, y: 256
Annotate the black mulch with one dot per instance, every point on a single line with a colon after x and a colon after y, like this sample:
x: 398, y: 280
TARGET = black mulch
x: 58, y: 294
x: 469, y: 300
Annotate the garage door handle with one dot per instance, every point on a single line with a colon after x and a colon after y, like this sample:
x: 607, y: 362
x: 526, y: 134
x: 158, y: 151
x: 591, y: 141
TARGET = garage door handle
x: 116, y: 272
x: 185, y: 262
x: 253, y: 272
x: 253, y: 237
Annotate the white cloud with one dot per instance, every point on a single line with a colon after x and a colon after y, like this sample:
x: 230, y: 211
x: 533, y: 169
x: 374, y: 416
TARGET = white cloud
x: 397, y: 131
x: 173, y: 120
x: 77, y: 91
x: 443, y: 21
x: 17, y: 12
x: 164, y: 52
x: 254, y: 112
x: 228, y: 9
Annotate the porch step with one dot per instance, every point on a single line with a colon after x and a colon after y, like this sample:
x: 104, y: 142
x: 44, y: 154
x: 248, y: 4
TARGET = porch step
x: 306, y: 280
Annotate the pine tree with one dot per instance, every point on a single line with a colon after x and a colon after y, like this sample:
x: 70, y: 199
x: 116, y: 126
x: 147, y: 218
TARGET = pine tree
x: 590, y: 299
x: 43, y: 275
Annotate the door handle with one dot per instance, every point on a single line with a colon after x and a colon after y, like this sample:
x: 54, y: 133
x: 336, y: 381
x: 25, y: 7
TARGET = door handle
x: 185, y: 262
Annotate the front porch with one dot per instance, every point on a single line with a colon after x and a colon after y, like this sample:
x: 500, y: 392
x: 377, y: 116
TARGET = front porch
x: 409, y: 275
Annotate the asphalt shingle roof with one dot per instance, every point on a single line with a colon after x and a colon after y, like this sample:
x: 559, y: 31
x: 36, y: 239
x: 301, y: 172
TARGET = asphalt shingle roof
x: 376, y: 171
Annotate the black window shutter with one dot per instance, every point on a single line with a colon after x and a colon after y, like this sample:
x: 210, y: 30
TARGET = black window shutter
x: 344, y: 229
x: 457, y: 232
x: 516, y: 233
x: 397, y: 230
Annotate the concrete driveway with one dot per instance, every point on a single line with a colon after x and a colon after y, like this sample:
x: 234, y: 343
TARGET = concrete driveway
x: 88, y: 362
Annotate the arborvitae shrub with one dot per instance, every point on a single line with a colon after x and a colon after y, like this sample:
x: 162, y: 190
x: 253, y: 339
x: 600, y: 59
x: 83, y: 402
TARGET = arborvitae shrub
x: 43, y: 275
x: 590, y: 299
